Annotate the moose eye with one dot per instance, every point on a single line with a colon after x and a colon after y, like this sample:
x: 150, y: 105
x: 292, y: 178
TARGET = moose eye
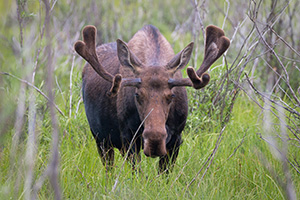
x: 138, y: 98
x: 170, y: 98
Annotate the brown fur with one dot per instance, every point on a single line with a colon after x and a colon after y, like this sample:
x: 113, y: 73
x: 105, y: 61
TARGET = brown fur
x: 138, y: 82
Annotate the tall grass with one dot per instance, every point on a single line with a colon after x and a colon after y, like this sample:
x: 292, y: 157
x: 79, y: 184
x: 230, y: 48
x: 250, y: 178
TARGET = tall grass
x: 237, y: 171
x: 241, y: 140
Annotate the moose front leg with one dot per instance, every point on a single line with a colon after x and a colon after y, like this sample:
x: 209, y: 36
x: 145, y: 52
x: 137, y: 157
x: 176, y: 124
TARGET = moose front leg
x: 106, y: 153
x: 133, y: 154
x: 107, y: 156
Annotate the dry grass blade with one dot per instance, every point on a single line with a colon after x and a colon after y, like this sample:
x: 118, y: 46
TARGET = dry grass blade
x: 127, y: 153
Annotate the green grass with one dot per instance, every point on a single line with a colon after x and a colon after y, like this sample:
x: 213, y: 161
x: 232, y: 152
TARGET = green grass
x: 243, y: 167
x: 244, y: 175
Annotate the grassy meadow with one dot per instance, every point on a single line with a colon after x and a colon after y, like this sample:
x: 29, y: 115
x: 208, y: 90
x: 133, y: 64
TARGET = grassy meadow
x: 241, y: 140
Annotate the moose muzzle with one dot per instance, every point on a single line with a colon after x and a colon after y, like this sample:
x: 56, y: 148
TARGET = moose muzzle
x: 155, y: 143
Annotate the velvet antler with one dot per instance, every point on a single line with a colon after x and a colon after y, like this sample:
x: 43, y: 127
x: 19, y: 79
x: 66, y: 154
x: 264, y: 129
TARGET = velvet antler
x: 216, y: 44
x: 87, y: 50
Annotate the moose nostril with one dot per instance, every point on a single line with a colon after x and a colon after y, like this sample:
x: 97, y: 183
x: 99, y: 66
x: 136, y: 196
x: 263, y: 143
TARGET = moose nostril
x: 154, y: 148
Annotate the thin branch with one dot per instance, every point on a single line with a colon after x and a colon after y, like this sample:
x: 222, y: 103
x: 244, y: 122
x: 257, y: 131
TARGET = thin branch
x: 271, y: 106
x: 292, y: 111
x: 37, y: 89
x: 238, y: 146
x: 182, y: 169
x: 281, y: 64
x: 60, y: 90
x: 20, y: 9
x: 226, y: 15
x: 209, y: 159
x: 285, y: 42
x: 278, y: 150
x: 71, y: 85
x: 88, y: 183
x: 31, y: 148
x: 127, y: 153
x: 77, y: 107
x: 52, y: 167
x: 215, y: 150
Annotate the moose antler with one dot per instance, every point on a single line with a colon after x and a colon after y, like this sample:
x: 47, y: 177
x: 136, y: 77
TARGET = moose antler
x: 87, y: 50
x: 216, y: 44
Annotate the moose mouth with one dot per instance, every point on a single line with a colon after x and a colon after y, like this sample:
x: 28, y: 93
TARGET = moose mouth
x: 155, y: 148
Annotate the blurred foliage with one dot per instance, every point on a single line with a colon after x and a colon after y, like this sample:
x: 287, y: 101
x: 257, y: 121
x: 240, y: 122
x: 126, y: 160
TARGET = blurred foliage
x: 23, y: 43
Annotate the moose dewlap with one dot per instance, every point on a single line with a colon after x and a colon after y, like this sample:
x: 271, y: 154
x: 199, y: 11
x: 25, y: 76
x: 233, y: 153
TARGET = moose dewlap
x: 134, y: 94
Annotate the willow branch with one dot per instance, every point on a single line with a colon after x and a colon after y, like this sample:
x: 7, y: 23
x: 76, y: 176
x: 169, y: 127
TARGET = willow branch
x: 37, y: 89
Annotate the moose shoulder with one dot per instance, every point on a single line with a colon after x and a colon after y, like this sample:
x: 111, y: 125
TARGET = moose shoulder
x: 134, y: 93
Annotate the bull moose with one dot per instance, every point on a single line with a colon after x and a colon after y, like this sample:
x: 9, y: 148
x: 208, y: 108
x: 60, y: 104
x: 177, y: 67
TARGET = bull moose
x: 134, y: 94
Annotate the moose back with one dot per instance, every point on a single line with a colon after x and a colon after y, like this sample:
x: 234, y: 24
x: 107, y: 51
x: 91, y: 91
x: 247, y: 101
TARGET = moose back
x: 134, y: 94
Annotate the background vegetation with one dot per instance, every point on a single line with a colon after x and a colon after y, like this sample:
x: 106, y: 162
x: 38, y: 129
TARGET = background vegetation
x: 241, y: 140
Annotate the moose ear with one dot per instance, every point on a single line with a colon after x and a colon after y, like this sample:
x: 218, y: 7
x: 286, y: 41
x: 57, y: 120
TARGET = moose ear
x: 127, y: 58
x: 180, y: 60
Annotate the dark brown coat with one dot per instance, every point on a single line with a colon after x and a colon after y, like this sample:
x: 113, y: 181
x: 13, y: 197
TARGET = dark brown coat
x: 139, y: 99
